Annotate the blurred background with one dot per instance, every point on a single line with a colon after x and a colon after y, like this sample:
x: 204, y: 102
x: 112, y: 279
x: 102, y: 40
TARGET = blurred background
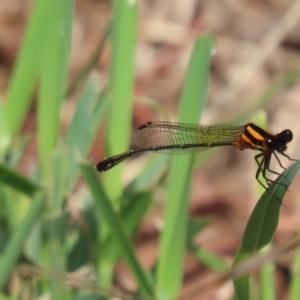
x: 255, y: 70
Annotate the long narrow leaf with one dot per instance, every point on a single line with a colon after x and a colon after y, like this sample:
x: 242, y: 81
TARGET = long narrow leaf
x: 122, y: 74
x: 5, y: 135
x: 117, y: 229
x: 83, y: 128
x: 262, y: 225
x: 26, y: 69
x: 173, y: 242
x: 17, y: 181
x: 295, y: 282
x: 54, y: 63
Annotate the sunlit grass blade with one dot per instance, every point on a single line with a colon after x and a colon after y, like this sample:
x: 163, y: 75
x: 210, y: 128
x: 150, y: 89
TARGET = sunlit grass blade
x: 26, y: 69
x: 118, y: 231
x: 173, y: 240
x: 54, y: 66
x: 122, y: 76
x: 262, y: 225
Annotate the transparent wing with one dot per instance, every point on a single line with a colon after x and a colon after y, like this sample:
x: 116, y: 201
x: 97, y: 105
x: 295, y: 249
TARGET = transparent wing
x: 196, y: 137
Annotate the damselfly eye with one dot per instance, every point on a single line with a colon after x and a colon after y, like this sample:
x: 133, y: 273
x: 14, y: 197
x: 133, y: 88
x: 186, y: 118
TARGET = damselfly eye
x: 283, y: 138
x: 288, y: 135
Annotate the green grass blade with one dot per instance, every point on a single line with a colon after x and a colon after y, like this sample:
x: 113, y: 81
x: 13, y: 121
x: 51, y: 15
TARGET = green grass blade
x: 267, y: 281
x: 118, y: 230
x: 14, y: 247
x: 122, y: 74
x: 263, y: 222
x: 83, y: 128
x: 173, y: 240
x: 204, y: 256
x: 17, y: 181
x: 82, y: 77
x: 54, y: 65
x: 135, y: 210
x: 5, y: 136
x: 207, y: 258
x: 26, y: 69
x: 262, y: 225
x: 131, y: 217
x: 295, y: 281
x: 194, y: 95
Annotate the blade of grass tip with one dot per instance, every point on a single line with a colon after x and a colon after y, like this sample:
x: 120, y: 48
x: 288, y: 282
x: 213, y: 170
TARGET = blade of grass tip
x: 156, y: 106
x: 117, y: 227
x: 82, y: 77
x: 25, y: 70
x: 122, y: 73
x: 15, y: 245
x: 54, y: 65
x: 262, y: 224
x: 173, y: 239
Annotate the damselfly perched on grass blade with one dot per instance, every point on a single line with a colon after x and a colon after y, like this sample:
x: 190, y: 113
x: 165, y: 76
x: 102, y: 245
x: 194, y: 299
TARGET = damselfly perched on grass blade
x: 181, y: 138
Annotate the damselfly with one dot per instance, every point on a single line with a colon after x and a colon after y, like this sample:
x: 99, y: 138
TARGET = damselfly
x: 181, y: 138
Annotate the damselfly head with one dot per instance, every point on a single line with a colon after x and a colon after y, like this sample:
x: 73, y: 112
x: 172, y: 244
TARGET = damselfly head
x: 278, y: 142
x: 286, y: 135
